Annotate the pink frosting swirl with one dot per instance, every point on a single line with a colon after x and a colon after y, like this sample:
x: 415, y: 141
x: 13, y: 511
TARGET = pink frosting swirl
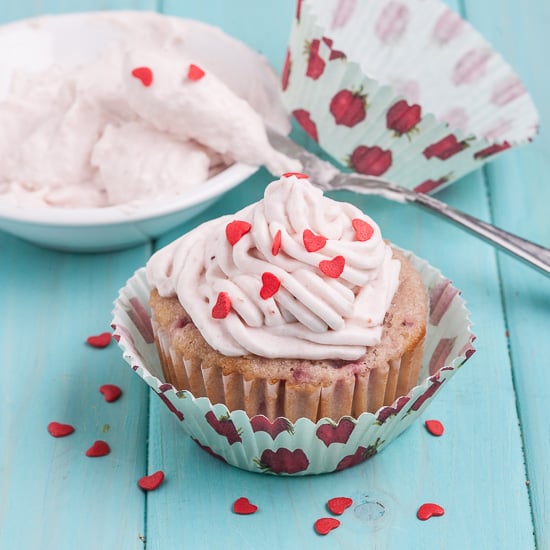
x: 295, y: 275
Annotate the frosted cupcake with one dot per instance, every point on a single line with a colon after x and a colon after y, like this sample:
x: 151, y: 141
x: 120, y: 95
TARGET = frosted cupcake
x: 293, y: 307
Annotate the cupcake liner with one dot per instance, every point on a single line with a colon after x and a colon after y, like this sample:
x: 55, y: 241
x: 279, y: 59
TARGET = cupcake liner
x: 403, y: 90
x: 303, y: 447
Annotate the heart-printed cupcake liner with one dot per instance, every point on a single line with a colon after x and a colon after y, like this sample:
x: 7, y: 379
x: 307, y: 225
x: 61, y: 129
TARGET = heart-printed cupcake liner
x: 404, y: 90
x: 303, y: 447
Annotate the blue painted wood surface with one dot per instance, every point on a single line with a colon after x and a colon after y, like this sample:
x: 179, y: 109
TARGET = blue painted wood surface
x: 490, y: 469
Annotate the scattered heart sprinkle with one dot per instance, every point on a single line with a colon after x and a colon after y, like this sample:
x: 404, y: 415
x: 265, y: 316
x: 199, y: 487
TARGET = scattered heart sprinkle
x: 428, y: 510
x: 145, y: 74
x: 235, y: 230
x: 57, y: 429
x: 244, y: 507
x: 222, y: 307
x: 313, y: 242
x: 99, y: 340
x: 110, y: 392
x: 195, y: 72
x: 338, y: 505
x: 363, y: 230
x: 270, y: 285
x: 435, y: 427
x: 99, y: 448
x: 298, y: 175
x: 151, y: 482
x: 277, y: 241
x: 333, y: 268
x: 325, y: 525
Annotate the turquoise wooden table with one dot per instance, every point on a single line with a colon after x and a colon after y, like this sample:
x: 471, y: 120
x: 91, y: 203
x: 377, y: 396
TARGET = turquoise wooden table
x: 490, y: 470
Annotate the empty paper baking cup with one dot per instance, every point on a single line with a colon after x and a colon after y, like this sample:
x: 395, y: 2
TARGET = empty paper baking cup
x: 402, y: 89
x: 302, y: 447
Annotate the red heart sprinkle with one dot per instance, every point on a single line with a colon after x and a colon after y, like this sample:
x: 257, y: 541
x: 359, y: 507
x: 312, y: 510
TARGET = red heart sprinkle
x: 363, y: 230
x: 338, y: 505
x: 110, y: 392
x: 235, y: 230
x: 298, y: 175
x: 151, y: 482
x: 270, y: 285
x: 243, y: 506
x: 145, y: 74
x: 325, y: 525
x: 222, y: 307
x: 333, y: 268
x: 313, y: 242
x: 195, y: 72
x: 99, y: 448
x: 60, y: 430
x: 100, y: 340
x: 435, y: 427
x: 429, y: 509
x: 277, y: 241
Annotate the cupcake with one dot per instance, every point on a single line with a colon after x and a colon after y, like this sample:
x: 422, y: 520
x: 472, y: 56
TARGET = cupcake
x: 293, y: 307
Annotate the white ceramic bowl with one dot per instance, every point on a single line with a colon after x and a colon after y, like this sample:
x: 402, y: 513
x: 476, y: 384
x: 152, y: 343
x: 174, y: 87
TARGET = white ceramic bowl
x: 72, y: 39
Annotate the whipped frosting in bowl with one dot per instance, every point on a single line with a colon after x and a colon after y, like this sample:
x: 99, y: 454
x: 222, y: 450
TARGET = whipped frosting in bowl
x: 74, y: 148
x: 296, y: 274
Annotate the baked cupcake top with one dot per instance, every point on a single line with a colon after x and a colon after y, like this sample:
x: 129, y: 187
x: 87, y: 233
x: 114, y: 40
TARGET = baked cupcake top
x: 294, y: 275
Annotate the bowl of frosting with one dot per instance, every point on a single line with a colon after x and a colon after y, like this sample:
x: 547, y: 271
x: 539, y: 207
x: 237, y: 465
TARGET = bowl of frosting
x: 119, y: 126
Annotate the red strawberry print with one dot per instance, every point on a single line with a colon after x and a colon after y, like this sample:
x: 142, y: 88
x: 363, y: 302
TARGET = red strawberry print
x: 298, y: 9
x: 303, y: 118
x: 492, y: 150
x: 338, y: 505
x: 244, y: 507
x: 235, y: 230
x: 285, y: 76
x: 428, y: 510
x: 429, y: 185
x: 325, y: 525
x: 448, y: 26
x: 427, y: 394
x: 57, y: 429
x: 222, y: 307
x: 99, y: 448
x: 333, y: 268
x: 371, y: 161
x: 209, y: 450
x: 392, y: 22
x: 151, y: 482
x: 402, y: 118
x: 445, y: 148
x: 363, y: 230
x: 270, y: 285
x: 342, y: 13
x: 110, y: 392
x: 315, y: 63
x: 334, y: 54
x: 145, y: 74
x: 195, y: 72
x: 348, y: 107
x: 330, y: 432
x: 283, y: 461
x: 386, y: 412
x: 171, y: 406
x: 313, y: 242
x: 277, y: 241
x: 507, y: 90
x: 260, y: 423
x: 224, y: 426
x: 435, y: 427
x: 100, y: 340
x: 470, y: 67
x: 360, y: 455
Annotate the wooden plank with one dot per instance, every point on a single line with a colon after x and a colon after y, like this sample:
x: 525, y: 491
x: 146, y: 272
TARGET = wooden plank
x: 51, y: 494
x: 520, y: 194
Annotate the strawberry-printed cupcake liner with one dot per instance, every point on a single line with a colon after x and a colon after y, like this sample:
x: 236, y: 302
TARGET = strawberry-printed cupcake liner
x: 303, y: 447
x: 402, y: 89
